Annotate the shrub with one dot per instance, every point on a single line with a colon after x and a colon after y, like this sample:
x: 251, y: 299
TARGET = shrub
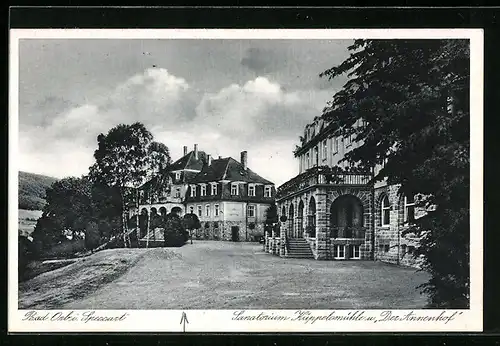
x: 92, y: 237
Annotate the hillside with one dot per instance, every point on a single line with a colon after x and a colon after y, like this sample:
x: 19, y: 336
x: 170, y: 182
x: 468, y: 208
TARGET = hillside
x: 32, y: 190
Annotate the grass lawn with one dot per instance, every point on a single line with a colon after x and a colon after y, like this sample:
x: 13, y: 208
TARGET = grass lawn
x: 222, y: 275
x: 74, y: 281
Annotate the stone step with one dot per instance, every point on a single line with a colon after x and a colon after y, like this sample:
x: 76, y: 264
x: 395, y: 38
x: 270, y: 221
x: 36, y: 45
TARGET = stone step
x: 305, y: 255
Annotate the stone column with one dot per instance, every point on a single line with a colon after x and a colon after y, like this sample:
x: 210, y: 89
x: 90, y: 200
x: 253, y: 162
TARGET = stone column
x: 321, y: 225
x: 283, y: 230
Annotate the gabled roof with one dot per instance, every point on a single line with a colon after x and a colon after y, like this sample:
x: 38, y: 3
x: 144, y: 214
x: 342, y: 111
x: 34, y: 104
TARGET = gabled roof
x: 228, y: 169
x: 188, y: 161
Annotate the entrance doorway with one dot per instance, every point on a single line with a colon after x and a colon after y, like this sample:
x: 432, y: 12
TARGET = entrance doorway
x: 235, y: 233
x: 346, y: 217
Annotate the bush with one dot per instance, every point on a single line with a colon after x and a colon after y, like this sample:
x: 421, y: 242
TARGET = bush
x: 92, y: 236
x: 25, y: 255
x: 65, y: 249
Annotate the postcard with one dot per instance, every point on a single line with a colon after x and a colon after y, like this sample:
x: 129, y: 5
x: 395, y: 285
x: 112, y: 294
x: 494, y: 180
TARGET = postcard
x: 245, y: 180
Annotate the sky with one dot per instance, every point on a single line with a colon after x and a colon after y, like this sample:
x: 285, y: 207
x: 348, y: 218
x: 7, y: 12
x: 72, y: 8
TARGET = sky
x: 224, y: 95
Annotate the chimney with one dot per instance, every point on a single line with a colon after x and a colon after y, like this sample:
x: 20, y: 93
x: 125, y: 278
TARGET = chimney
x: 244, y: 159
x: 185, y: 150
x: 220, y: 157
x: 209, y: 159
x: 196, y: 151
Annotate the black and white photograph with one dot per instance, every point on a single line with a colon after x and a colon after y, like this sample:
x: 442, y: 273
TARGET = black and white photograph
x: 306, y: 180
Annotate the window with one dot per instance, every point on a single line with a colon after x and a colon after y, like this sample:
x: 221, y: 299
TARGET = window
x: 385, y: 209
x: 193, y: 190
x: 216, y: 224
x: 355, y: 253
x: 308, y: 161
x: 386, y: 247
x: 203, y: 191
x: 178, y: 192
x: 234, y: 189
x: 251, y: 211
x: 268, y: 191
x: 207, y: 210
x: 409, y: 210
x: 316, y: 155
x: 216, y: 210
x: 191, y: 209
x: 335, y: 144
x: 177, y: 175
x: 199, y: 210
x: 214, y: 189
x: 325, y: 149
x: 251, y: 190
x: 339, y: 251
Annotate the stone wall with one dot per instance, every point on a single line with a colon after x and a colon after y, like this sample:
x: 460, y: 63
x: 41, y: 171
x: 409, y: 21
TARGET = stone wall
x: 390, y: 245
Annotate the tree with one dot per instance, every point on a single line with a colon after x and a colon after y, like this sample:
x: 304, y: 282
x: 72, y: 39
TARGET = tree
x: 92, y: 237
x: 174, y: 231
x: 271, y: 220
x: 406, y: 103
x: 70, y: 200
x: 122, y: 161
x: 49, y: 231
x: 191, y: 222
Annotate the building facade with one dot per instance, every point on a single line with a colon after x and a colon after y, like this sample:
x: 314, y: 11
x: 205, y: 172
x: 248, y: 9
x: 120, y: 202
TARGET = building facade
x: 335, y: 209
x: 229, y: 199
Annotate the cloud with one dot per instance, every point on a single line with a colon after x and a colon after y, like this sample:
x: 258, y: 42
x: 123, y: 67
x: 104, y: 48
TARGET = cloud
x: 259, y: 109
x: 258, y: 116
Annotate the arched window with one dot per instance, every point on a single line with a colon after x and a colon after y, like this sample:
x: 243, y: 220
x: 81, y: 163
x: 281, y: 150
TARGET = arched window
x: 385, y: 209
x: 409, y: 210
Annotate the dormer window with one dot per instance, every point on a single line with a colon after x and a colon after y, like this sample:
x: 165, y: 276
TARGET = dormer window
x: 177, y: 176
x: 251, y: 190
x: 203, y: 190
x: 268, y: 191
x: 214, y: 189
x: 234, y: 189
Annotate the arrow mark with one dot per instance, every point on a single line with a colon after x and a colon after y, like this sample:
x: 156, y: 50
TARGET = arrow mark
x: 184, y: 320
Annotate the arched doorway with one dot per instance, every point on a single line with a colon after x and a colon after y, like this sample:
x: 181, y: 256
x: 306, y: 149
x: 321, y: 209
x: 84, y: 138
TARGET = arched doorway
x: 311, y: 218
x: 300, y: 220
x: 154, y: 219
x: 291, y: 216
x: 143, y: 222
x: 163, y: 211
x: 346, y: 217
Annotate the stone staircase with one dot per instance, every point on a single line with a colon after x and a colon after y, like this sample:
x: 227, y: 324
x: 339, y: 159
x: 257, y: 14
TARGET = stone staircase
x: 299, y: 248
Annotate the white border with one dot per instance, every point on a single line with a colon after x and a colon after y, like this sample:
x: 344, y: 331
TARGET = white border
x: 221, y: 320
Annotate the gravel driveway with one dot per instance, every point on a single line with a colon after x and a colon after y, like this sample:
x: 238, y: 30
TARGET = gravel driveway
x: 225, y: 275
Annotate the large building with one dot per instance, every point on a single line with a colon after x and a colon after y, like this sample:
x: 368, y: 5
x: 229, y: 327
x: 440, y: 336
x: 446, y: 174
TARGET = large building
x: 333, y: 212
x: 229, y: 199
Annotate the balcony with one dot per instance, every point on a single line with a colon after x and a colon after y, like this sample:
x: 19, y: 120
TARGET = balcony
x: 347, y: 232
x: 324, y: 175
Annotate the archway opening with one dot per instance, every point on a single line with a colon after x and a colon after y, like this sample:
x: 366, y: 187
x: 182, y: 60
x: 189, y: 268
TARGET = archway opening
x: 346, y: 218
x: 300, y: 220
x: 143, y: 222
x: 311, y: 218
x: 291, y: 215
x: 163, y: 211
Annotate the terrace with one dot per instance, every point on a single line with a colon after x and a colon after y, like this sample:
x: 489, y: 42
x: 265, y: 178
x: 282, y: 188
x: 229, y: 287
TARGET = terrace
x: 324, y: 176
